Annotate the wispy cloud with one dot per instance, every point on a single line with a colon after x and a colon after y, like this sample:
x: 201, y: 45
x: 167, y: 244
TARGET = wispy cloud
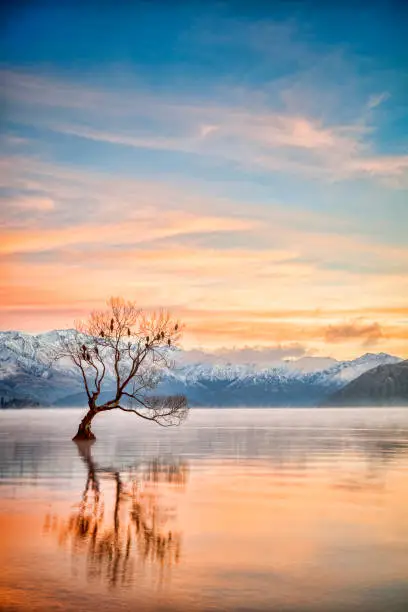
x: 281, y: 141
x: 30, y: 202
x: 377, y: 99
x: 132, y: 231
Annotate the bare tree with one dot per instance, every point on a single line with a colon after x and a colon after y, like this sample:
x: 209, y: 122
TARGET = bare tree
x: 125, y: 351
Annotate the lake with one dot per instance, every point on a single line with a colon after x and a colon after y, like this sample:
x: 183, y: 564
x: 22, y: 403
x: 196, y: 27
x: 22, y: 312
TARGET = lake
x: 237, y: 509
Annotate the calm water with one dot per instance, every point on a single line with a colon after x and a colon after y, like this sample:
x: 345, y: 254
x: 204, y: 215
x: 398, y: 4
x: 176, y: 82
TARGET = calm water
x: 289, y: 510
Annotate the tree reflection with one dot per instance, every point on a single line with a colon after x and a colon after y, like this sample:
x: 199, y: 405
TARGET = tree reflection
x: 124, y: 524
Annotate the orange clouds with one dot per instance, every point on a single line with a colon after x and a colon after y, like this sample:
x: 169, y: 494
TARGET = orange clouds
x: 137, y: 230
x: 237, y: 273
x: 370, y: 332
x: 324, y: 332
x: 28, y: 203
x: 221, y: 294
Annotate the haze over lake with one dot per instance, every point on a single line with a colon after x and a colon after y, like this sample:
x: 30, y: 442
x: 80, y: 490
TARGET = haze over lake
x: 238, y: 509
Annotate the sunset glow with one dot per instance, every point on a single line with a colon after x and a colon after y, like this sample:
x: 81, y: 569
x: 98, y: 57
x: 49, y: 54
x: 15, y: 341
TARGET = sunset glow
x: 264, y: 207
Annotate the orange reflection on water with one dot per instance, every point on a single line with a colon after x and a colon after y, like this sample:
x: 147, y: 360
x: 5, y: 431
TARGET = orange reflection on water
x: 328, y: 531
x: 119, y: 520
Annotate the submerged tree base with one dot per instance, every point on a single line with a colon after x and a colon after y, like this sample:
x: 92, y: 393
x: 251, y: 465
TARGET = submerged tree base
x: 84, y: 432
x: 84, y: 436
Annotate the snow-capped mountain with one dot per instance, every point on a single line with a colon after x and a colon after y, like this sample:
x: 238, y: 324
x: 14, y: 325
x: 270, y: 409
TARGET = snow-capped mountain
x: 26, y: 352
x: 327, y: 367
x: 26, y: 372
x: 306, y: 381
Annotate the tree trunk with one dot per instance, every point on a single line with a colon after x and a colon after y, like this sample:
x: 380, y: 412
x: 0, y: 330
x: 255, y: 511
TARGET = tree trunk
x: 84, y: 430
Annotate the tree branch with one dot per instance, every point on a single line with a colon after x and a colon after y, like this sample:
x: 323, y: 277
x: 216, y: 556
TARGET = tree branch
x: 130, y: 349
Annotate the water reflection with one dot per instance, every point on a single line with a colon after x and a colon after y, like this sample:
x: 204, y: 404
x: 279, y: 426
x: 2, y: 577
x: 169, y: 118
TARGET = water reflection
x: 303, y: 511
x: 120, y: 521
x: 284, y: 439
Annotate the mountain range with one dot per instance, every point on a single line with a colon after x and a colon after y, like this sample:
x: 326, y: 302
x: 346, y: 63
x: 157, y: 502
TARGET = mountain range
x: 28, y: 378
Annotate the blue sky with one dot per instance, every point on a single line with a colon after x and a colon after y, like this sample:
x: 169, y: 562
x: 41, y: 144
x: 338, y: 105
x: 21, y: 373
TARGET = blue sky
x: 249, y: 158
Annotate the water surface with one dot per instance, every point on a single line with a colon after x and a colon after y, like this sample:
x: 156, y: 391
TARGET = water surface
x: 269, y: 509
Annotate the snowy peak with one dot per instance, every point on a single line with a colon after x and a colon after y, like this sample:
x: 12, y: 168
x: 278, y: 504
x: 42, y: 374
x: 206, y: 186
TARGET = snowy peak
x: 305, y: 367
x: 379, y: 358
x: 28, y: 353
x: 32, y: 353
x: 349, y: 370
x: 206, y: 379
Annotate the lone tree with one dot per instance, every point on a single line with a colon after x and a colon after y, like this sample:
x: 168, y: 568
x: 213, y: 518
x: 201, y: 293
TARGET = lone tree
x: 122, y: 352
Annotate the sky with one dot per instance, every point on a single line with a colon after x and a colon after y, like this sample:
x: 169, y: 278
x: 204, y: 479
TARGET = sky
x: 242, y: 164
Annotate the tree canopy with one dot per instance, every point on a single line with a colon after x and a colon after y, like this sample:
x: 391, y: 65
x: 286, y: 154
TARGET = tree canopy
x: 123, y: 352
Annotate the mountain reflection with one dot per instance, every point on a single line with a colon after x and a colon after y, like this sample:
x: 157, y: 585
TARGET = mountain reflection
x: 120, y: 522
